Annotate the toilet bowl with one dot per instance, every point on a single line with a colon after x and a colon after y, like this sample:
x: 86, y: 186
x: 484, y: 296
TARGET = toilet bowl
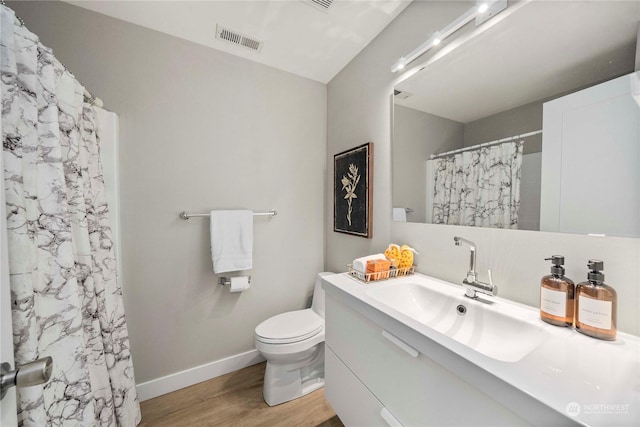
x: 293, y: 344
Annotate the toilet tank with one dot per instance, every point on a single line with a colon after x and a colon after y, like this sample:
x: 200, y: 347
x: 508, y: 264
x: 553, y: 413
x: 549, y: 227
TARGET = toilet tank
x: 317, y: 303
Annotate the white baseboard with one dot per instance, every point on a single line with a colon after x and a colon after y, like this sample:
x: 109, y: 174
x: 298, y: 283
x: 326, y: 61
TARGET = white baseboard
x: 158, y: 387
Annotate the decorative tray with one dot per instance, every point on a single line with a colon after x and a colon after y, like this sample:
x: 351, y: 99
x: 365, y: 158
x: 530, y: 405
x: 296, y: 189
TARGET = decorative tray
x: 381, y: 275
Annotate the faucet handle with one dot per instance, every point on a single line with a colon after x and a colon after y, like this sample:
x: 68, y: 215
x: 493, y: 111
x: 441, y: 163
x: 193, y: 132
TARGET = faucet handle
x: 494, y: 288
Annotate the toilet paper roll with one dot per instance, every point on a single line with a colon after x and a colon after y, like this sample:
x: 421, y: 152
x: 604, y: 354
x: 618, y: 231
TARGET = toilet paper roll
x: 239, y: 284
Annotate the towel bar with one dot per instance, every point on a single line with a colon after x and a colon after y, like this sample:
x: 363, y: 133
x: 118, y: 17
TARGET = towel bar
x: 186, y: 215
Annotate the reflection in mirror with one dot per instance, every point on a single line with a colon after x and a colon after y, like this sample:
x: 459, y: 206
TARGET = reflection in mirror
x: 469, y: 130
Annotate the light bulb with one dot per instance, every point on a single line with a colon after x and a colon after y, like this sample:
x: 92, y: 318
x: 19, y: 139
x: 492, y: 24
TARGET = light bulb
x: 399, y: 65
x: 436, y: 39
x: 483, y: 7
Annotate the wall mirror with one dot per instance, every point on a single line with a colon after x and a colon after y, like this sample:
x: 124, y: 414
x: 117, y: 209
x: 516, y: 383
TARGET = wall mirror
x: 496, y: 86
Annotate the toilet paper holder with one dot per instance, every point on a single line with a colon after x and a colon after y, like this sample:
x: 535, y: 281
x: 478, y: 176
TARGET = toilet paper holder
x: 224, y: 280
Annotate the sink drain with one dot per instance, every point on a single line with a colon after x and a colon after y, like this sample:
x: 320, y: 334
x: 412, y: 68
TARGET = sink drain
x: 461, y: 310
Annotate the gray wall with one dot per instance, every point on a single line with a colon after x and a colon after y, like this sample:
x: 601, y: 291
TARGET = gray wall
x: 638, y: 50
x: 359, y: 110
x: 200, y: 130
x: 529, y: 212
x: 417, y: 135
x: 519, y: 120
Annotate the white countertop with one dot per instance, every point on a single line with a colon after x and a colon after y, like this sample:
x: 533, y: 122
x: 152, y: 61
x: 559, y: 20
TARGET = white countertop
x: 591, y: 381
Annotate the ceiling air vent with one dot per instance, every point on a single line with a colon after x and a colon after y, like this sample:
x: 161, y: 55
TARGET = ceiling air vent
x: 238, y: 38
x: 323, y: 5
x: 401, y: 95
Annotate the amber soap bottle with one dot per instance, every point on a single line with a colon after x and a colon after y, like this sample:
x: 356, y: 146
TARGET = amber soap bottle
x: 557, y: 295
x: 596, y: 305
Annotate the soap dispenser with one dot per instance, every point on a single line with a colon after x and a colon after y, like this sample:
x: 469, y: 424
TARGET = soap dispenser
x: 596, y: 304
x: 557, y: 295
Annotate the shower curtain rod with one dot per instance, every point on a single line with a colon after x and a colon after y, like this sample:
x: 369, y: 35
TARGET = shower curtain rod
x: 486, y: 144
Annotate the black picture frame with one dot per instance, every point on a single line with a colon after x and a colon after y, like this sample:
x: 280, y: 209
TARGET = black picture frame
x: 353, y: 191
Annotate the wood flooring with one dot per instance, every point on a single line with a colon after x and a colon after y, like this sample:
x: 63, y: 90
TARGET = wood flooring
x: 235, y: 399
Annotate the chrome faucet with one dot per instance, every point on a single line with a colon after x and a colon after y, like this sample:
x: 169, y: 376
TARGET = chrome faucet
x: 470, y: 283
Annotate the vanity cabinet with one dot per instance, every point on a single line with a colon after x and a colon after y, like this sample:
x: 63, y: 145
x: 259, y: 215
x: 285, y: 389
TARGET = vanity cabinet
x: 395, y: 356
x: 345, y: 389
x: 389, y: 382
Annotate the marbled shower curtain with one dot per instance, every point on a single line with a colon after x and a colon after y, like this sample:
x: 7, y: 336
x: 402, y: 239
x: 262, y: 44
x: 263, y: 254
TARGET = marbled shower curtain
x: 479, y: 187
x: 66, y: 301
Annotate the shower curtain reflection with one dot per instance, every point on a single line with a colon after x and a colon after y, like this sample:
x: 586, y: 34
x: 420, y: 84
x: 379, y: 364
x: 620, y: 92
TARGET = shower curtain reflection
x: 478, y: 188
x: 66, y: 301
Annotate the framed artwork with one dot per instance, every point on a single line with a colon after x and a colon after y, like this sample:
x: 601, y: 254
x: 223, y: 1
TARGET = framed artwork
x: 353, y: 191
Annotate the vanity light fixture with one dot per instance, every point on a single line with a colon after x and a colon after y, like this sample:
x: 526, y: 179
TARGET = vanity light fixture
x: 436, y: 39
x: 480, y: 8
x: 399, y: 65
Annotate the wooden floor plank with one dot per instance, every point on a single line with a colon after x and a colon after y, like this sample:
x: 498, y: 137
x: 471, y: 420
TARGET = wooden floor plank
x: 235, y: 399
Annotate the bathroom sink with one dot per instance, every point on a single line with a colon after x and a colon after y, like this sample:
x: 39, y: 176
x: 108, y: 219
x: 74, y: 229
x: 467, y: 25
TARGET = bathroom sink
x: 494, y: 342
x: 498, y: 329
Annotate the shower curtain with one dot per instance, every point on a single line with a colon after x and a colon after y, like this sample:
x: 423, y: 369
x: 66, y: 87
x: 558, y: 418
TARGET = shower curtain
x: 480, y: 187
x: 66, y: 302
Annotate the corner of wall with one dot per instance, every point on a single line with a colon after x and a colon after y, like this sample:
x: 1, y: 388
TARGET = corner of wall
x: 638, y: 50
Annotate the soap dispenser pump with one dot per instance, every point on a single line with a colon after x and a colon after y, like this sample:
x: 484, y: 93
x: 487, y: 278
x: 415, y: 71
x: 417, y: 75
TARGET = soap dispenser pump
x: 557, y: 294
x: 596, y: 304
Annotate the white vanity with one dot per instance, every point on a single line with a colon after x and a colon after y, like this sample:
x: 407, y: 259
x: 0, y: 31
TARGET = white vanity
x: 414, y: 351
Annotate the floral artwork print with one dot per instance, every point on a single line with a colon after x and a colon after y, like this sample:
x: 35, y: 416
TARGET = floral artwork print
x: 352, y: 191
x: 349, y: 185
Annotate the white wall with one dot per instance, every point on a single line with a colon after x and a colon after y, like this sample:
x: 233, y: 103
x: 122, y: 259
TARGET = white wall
x: 199, y: 130
x: 359, y: 111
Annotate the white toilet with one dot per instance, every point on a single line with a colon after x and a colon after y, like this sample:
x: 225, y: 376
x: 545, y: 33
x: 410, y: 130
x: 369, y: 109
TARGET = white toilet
x: 293, y: 344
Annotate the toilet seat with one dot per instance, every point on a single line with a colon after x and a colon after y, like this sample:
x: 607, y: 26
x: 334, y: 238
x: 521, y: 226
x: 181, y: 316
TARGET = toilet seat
x: 290, y: 327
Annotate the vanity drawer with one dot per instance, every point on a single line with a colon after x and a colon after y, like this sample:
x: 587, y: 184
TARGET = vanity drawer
x: 349, y: 398
x: 409, y: 384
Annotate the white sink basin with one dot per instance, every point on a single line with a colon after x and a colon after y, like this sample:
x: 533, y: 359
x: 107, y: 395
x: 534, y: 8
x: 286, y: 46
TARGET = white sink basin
x: 504, y: 339
x: 502, y: 331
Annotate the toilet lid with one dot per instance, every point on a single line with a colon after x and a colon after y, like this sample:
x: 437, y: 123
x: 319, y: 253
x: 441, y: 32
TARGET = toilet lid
x: 289, y: 327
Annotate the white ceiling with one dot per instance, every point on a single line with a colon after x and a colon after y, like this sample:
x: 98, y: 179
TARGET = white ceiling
x: 298, y: 37
x: 540, y: 50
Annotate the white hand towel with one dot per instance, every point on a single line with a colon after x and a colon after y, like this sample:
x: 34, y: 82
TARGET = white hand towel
x: 231, y: 240
x: 360, y: 264
x: 400, y: 214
